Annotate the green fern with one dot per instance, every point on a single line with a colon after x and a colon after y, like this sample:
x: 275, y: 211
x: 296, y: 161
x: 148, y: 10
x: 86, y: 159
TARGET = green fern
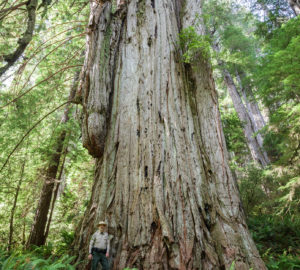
x: 192, y: 44
x: 32, y: 260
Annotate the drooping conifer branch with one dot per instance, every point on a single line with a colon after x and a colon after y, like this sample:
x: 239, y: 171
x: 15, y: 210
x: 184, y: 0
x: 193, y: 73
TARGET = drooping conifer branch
x: 24, y: 40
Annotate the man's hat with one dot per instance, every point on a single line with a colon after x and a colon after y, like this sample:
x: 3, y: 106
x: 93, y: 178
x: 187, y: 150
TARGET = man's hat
x: 102, y: 223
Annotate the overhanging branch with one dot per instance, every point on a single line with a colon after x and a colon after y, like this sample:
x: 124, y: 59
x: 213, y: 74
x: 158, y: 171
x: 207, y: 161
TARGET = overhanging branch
x: 24, y: 40
x: 28, y: 132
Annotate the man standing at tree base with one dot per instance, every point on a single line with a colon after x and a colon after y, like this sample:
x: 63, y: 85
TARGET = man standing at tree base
x: 99, y: 247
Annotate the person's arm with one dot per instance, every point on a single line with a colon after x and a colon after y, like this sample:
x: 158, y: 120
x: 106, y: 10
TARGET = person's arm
x: 108, y: 246
x: 92, y: 243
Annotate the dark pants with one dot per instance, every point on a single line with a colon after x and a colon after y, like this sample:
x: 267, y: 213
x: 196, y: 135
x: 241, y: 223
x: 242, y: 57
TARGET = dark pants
x: 99, y: 257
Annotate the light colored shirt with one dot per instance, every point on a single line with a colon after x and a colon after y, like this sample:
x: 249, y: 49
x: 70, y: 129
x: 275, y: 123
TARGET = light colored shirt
x: 99, y: 240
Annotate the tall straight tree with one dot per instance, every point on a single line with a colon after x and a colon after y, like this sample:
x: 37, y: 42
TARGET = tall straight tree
x: 250, y: 124
x: 162, y: 178
x: 40, y: 227
x: 228, y: 39
x: 255, y: 115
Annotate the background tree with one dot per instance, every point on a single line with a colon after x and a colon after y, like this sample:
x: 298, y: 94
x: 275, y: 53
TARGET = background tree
x: 52, y: 178
x: 235, y: 57
x: 41, y: 80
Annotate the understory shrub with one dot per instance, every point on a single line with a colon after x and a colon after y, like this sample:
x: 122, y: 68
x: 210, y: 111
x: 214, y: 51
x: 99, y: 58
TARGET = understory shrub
x: 23, y: 260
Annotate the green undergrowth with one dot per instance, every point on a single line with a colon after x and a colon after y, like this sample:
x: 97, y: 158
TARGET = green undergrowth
x: 193, y: 45
x: 38, y: 259
x: 272, y: 215
x: 278, y: 240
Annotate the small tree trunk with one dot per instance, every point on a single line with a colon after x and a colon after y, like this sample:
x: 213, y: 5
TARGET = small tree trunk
x: 12, y: 212
x: 162, y: 179
x: 23, y: 232
x: 54, y: 197
x: 39, y: 230
x: 37, y: 235
x: 295, y: 5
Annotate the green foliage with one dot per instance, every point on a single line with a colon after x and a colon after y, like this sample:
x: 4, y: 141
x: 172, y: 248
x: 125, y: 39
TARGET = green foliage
x: 278, y: 240
x: 45, y: 73
x: 270, y: 191
x: 234, y: 136
x: 276, y: 12
x: 282, y: 135
x: 228, y: 24
x: 278, y: 75
x: 63, y: 246
x: 273, y: 221
x: 34, y: 260
x: 252, y: 189
x: 284, y: 262
x: 274, y: 233
x: 193, y: 45
x: 232, y: 266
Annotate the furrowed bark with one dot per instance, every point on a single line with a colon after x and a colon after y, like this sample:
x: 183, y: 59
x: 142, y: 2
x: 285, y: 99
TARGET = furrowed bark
x: 95, y: 86
x: 162, y: 178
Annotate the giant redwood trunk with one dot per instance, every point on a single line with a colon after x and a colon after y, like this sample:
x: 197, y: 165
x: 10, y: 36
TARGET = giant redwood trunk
x: 162, y: 179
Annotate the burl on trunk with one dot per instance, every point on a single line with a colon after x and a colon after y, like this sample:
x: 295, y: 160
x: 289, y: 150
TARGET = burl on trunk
x: 162, y: 180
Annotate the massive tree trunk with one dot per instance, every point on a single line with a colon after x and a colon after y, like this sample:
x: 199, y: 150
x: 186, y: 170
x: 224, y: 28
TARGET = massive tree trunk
x: 42, y: 219
x: 162, y: 179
